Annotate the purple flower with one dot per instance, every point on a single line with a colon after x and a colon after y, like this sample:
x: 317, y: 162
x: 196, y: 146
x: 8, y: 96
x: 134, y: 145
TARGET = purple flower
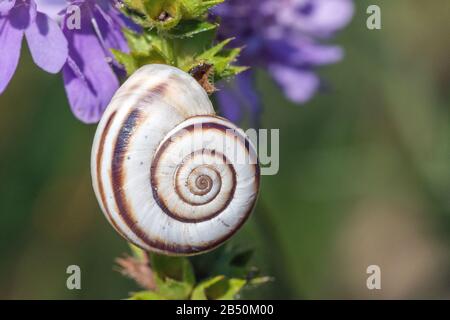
x: 283, y: 37
x: 46, y: 42
x: 80, y: 47
x: 89, y: 78
x: 52, y: 8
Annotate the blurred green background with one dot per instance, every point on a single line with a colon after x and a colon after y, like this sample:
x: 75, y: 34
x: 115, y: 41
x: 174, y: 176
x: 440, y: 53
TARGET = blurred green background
x: 364, y: 176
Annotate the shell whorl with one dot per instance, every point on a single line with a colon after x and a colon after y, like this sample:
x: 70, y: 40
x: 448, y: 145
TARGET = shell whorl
x: 170, y: 176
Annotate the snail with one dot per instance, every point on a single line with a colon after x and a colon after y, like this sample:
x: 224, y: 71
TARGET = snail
x: 167, y: 172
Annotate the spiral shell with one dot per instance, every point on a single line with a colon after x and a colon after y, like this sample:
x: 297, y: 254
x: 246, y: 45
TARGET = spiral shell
x: 170, y: 176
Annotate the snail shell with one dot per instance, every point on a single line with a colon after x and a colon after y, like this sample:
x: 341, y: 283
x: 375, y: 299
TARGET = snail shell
x: 166, y: 169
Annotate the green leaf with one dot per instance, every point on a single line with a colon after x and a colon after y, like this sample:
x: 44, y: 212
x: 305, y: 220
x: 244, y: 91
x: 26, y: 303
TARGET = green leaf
x: 137, y: 5
x: 146, y: 295
x: 135, y: 13
x: 146, y: 48
x: 174, y: 276
x: 231, y: 289
x: 126, y: 60
x: 176, y: 268
x: 138, y: 43
x: 173, y: 290
x: 222, y: 60
x: 190, y: 28
x: 218, y: 288
x: 199, y: 292
x: 196, y: 8
x: 231, y: 71
x: 212, y: 52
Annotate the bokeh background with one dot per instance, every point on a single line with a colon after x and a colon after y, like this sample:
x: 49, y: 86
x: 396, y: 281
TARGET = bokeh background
x: 364, y: 176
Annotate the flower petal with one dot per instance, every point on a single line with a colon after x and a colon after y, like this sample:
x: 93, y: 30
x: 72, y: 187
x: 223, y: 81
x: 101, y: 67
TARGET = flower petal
x: 302, y: 52
x: 298, y: 85
x: 238, y: 97
x: 83, y: 101
x: 52, y: 8
x: 88, y: 78
x: 6, y: 5
x: 110, y: 28
x: 10, y: 45
x: 47, y: 43
x: 322, y: 18
x: 21, y: 16
x: 230, y: 106
x: 317, y: 54
x: 245, y: 82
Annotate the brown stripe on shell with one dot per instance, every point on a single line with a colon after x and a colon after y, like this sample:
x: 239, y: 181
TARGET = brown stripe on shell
x: 99, y: 159
x: 133, y: 87
x: 160, y: 89
x: 161, y: 202
x: 221, y: 127
x: 117, y: 175
x: 148, y: 95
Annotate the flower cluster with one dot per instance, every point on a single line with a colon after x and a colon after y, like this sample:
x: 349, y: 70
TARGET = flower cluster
x: 80, y: 48
x: 45, y: 39
x: 285, y: 38
x: 90, y: 72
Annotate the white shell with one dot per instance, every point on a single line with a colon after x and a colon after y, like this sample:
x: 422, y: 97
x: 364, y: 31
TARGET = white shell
x: 169, y: 175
